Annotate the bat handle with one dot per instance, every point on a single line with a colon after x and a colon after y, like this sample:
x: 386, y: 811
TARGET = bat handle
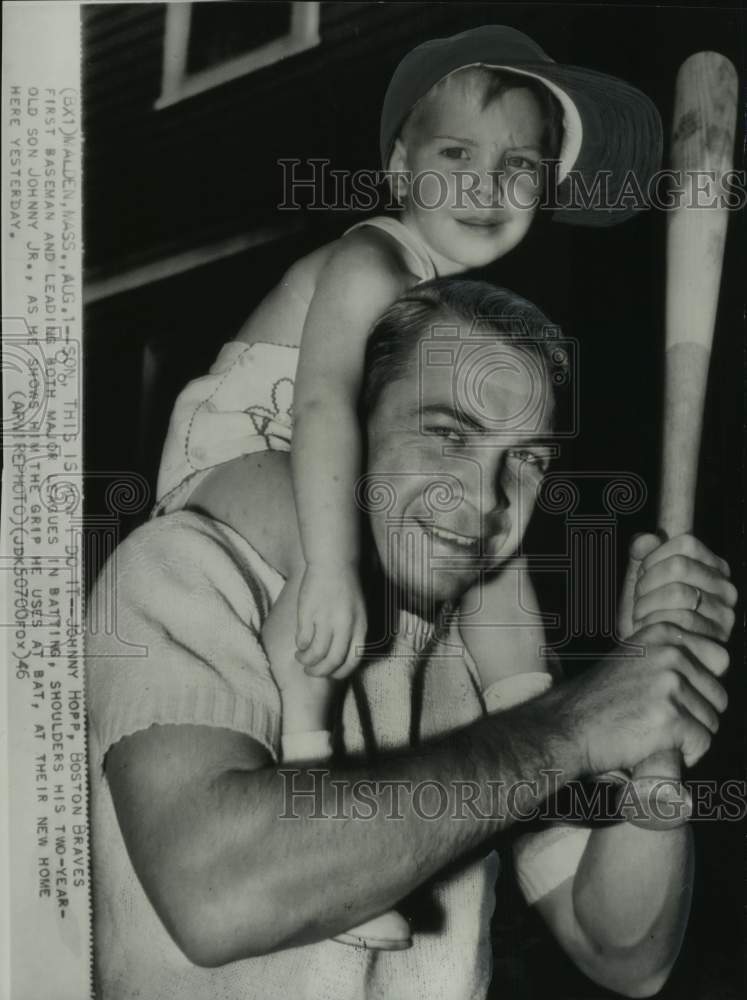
x: 684, y: 398
x: 686, y: 381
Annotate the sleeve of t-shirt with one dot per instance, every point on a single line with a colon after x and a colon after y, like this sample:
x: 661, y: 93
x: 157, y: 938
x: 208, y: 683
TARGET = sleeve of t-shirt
x: 173, y: 636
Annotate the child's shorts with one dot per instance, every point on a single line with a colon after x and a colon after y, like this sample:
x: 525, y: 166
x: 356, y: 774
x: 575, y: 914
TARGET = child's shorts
x: 243, y: 405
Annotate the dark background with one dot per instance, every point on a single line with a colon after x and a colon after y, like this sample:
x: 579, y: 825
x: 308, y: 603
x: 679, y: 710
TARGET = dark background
x: 160, y: 183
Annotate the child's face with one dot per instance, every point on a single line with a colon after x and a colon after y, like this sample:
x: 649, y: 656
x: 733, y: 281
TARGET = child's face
x: 478, y: 216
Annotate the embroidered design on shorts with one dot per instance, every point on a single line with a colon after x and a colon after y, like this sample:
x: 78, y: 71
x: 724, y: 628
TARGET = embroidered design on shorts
x: 264, y: 418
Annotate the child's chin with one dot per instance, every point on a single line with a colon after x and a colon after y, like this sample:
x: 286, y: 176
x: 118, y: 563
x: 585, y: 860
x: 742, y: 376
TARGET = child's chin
x: 483, y: 256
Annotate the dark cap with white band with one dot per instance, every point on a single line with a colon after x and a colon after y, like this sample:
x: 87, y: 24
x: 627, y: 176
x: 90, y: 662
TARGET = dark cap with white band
x: 612, y: 132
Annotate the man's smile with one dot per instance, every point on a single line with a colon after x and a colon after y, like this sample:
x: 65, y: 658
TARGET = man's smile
x: 467, y: 543
x: 489, y: 546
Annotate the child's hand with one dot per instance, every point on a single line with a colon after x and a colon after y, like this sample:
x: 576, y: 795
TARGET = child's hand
x: 331, y: 620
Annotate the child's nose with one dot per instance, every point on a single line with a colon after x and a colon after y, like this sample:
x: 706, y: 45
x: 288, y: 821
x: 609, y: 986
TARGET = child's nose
x: 489, y: 186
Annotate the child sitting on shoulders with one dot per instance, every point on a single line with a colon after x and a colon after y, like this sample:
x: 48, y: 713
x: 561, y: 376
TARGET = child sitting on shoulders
x: 467, y: 123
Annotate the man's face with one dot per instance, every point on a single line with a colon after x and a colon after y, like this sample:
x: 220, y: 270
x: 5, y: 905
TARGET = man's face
x: 455, y: 458
x: 478, y: 167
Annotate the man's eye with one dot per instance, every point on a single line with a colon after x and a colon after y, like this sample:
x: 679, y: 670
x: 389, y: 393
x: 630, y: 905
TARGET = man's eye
x: 531, y: 458
x: 448, y: 433
x: 455, y: 153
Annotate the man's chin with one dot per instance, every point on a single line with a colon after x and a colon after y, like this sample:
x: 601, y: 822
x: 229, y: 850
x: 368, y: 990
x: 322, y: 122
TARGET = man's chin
x: 425, y: 599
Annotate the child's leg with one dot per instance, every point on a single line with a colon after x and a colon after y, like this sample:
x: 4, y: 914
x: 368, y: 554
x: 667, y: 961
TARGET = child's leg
x: 498, y: 623
x: 308, y: 702
x: 231, y: 493
x: 507, y: 657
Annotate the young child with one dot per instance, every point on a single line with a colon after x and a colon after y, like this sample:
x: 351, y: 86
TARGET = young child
x: 466, y: 122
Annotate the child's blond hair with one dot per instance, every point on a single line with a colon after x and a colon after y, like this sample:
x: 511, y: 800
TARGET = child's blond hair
x: 483, y: 84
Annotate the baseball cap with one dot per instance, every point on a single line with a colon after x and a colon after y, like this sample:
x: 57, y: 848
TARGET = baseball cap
x: 610, y: 128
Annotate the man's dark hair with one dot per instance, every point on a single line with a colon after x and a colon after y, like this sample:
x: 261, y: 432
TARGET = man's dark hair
x: 485, y: 308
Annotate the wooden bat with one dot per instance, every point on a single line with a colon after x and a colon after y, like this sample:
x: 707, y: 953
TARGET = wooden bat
x: 705, y: 110
x: 702, y: 144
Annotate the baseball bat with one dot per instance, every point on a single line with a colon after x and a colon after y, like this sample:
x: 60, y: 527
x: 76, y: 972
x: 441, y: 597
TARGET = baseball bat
x: 702, y: 143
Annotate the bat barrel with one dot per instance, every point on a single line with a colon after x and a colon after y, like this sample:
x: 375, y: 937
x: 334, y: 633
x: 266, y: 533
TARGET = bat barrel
x: 701, y: 154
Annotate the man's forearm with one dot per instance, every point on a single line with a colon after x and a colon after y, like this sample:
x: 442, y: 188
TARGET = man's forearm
x: 200, y: 808
x: 250, y: 868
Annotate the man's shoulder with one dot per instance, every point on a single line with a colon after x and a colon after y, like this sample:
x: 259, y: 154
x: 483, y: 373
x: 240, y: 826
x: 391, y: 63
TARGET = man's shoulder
x: 162, y: 530
x: 173, y: 633
x: 187, y: 551
x: 179, y: 537
x: 182, y: 534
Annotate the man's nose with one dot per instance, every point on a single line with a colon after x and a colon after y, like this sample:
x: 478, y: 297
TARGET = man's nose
x: 496, y: 504
x: 489, y: 496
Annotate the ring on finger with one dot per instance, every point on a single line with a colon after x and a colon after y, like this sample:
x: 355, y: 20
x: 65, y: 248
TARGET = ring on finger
x: 698, y: 599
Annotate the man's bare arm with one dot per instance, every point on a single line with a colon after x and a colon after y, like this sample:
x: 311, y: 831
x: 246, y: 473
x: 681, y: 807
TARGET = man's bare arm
x: 200, y: 809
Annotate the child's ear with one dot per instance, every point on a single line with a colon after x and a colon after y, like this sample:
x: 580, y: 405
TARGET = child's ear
x: 398, y: 174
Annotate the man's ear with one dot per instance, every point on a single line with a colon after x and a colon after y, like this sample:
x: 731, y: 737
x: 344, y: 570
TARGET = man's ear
x: 398, y: 172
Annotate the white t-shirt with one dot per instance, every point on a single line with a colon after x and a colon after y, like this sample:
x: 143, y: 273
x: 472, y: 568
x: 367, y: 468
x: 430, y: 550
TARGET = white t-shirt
x: 191, y: 599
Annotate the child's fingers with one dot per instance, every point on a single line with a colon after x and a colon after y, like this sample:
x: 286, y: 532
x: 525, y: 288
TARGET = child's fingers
x: 355, y: 651
x: 351, y: 662
x: 317, y: 649
x: 314, y: 647
x: 336, y: 655
x: 305, y: 657
x: 339, y: 645
x: 304, y: 632
x: 311, y: 656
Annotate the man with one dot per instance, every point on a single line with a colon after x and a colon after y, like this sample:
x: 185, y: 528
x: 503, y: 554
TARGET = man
x: 210, y: 881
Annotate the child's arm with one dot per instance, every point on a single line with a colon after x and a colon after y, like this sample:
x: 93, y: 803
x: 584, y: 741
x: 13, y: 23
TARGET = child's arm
x: 357, y: 284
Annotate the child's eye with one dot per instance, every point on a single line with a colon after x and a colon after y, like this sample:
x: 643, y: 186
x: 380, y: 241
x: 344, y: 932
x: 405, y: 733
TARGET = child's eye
x: 455, y: 153
x: 520, y: 163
